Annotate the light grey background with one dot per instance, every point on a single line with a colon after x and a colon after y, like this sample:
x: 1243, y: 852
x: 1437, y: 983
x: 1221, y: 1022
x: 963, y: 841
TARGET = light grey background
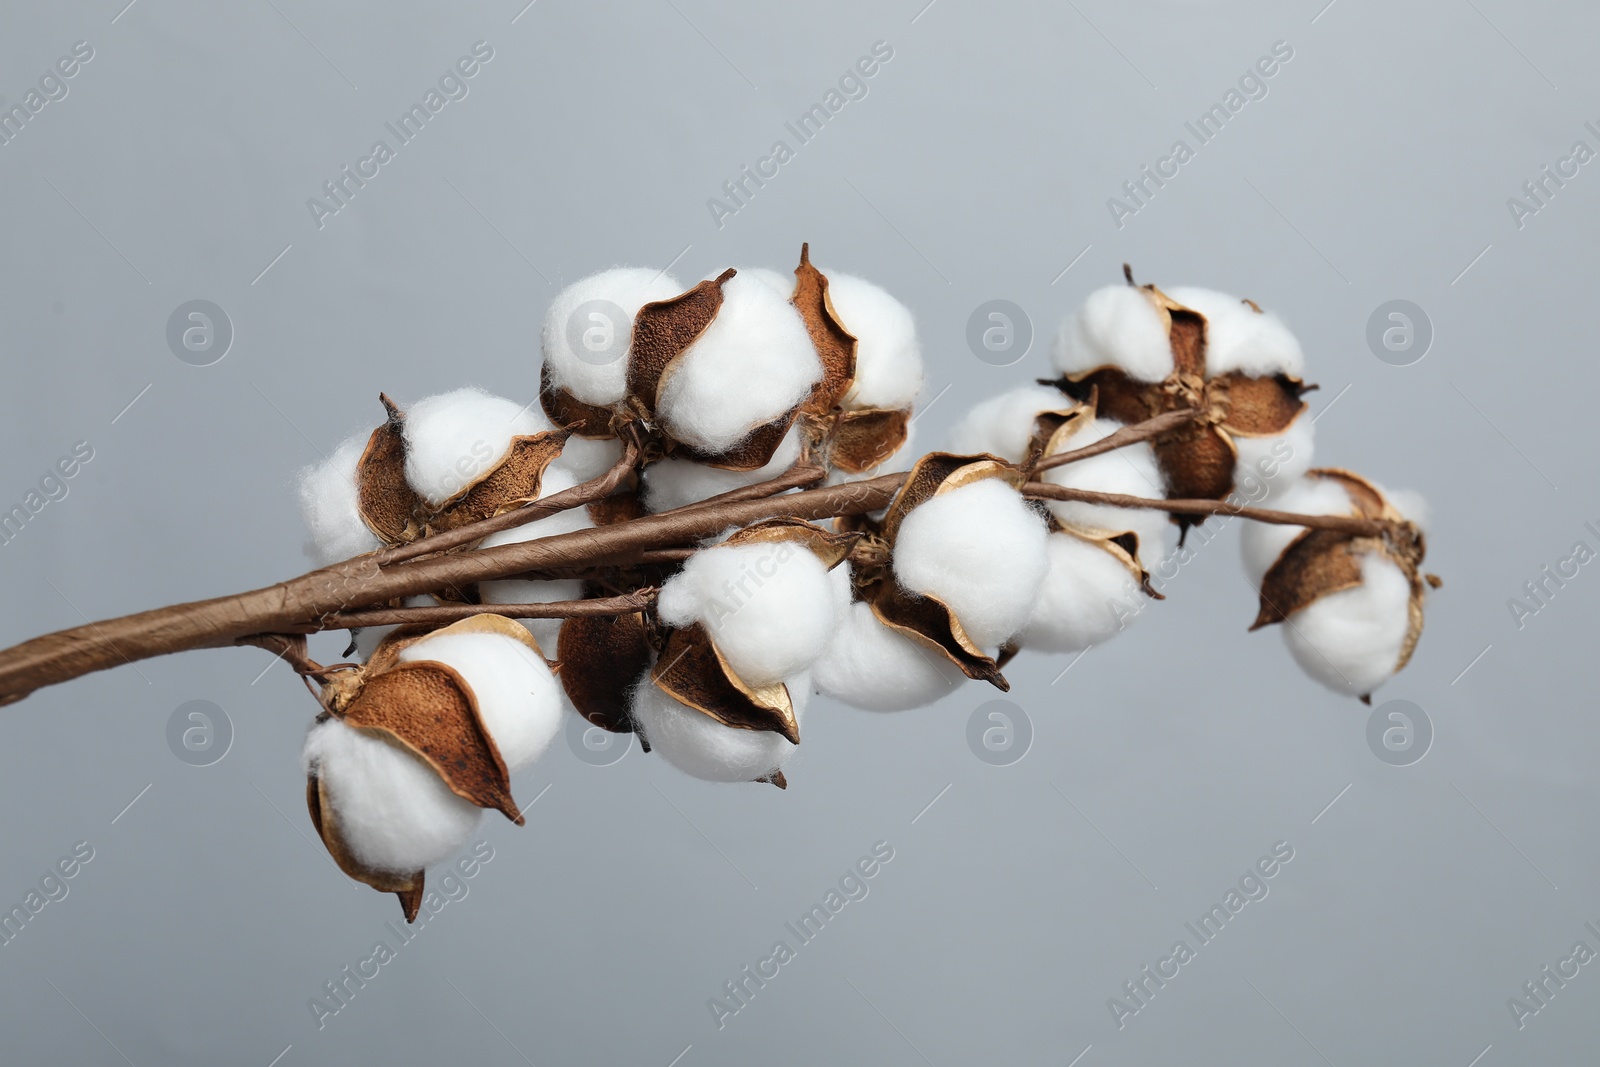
x: 978, y: 167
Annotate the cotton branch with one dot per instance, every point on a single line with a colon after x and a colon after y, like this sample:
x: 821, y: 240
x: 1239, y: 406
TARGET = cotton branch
x: 556, y: 609
x: 1340, y: 523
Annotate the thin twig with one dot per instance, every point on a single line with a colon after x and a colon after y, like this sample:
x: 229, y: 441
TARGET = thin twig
x: 557, y: 609
x: 1343, y: 523
x: 1127, y: 435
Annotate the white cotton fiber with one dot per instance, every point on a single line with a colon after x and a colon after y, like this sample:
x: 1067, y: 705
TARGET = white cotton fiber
x: 701, y: 747
x: 779, y: 282
x: 979, y: 549
x: 673, y: 483
x: 521, y: 591
x: 1003, y: 425
x: 330, y: 504
x: 454, y: 438
x: 585, y: 458
x: 871, y: 666
x: 1131, y: 471
x: 888, y: 354
x: 1088, y: 598
x: 770, y: 608
x: 1116, y: 327
x: 519, y: 699
x: 1240, y: 338
x: 1263, y: 542
x: 753, y: 364
x: 1350, y: 641
x: 394, y: 812
x: 1275, y: 462
x: 587, y: 372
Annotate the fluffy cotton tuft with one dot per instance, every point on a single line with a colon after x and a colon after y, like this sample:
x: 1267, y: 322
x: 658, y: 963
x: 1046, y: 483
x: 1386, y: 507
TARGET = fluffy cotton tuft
x: 1132, y: 471
x: 1263, y: 542
x: 888, y: 354
x: 585, y: 458
x: 770, y: 608
x: 330, y: 504
x: 1088, y: 598
x: 1350, y: 641
x: 394, y: 812
x: 674, y: 483
x: 1003, y: 425
x: 629, y: 288
x: 1239, y: 338
x: 1116, y: 327
x: 703, y: 748
x: 754, y: 363
x: 982, y: 551
x: 454, y: 438
x: 1273, y: 462
x: 870, y: 666
x: 777, y: 281
x: 522, y: 591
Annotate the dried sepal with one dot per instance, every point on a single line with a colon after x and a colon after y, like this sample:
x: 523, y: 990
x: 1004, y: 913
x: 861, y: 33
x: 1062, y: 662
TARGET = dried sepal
x: 601, y: 658
x: 509, y: 484
x: 835, y: 345
x: 929, y: 622
x: 389, y: 506
x: 865, y: 438
x: 662, y: 333
x: 407, y: 887
x: 618, y: 507
x: 1319, y: 562
x: 752, y: 453
x: 693, y: 672
x: 572, y: 414
x: 775, y: 778
x: 1053, y: 431
x: 941, y: 472
x: 830, y: 547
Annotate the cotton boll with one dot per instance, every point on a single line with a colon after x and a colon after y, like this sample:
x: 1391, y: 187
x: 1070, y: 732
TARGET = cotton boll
x: 888, y: 354
x: 981, y: 551
x: 1003, y: 425
x: 1351, y: 640
x: 1088, y: 598
x: 701, y: 747
x: 674, y: 483
x: 1116, y: 327
x: 394, y: 812
x: 869, y: 665
x: 455, y: 438
x: 330, y: 504
x: 1132, y: 471
x: 769, y: 608
x: 753, y: 364
x: 1263, y: 542
x: 518, y: 698
x: 1273, y: 463
x: 602, y: 382
x: 1240, y: 338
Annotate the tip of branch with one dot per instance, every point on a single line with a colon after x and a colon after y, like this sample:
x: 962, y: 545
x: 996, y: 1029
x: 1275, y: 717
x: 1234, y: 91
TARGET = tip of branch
x: 1127, y: 272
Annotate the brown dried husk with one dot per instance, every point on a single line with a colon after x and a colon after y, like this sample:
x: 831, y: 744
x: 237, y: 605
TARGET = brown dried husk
x: 572, y: 414
x: 388, y: 504
x: 836, y: 346
x: 1320, y: 562
x: 864, y: 438
x: 692, y: 671
x: 602, y: 658
x: 509, y: 484
x: 407, y: 887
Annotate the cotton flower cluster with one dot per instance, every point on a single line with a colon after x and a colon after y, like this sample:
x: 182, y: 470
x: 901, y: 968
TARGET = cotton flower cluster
x: 416, y: 743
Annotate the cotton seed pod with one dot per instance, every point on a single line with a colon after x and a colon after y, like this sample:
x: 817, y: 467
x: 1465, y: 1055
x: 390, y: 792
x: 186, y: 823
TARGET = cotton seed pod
x: 763, y: 595
x: 706, y: 748
x: 330, y: 504
x: 1353, y: 602
x: 483, y: 482
x: 721, y: 369
x: 461, y: 702
x: 601, y: 659
x: 1094, y: 591
x: 585, y: 351
x: 874, y: 666
x: 1249, y: 387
